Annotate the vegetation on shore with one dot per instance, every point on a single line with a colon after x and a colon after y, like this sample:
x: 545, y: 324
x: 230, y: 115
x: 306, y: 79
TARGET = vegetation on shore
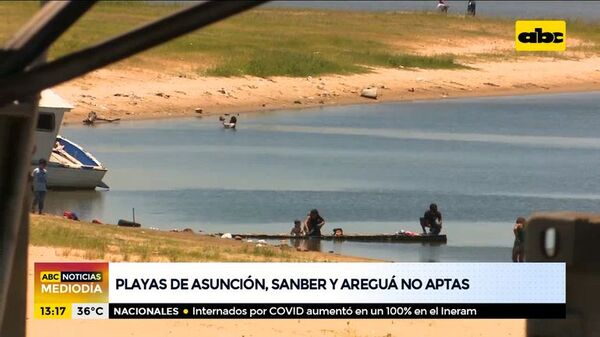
x: 288, y: 42
x: 268, y: 41
x: 113, y: 243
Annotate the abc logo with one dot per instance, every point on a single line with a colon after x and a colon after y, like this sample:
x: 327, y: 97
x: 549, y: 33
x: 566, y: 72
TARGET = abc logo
x: 50, y: 276
x: 538, y: 36
x: 543, y: 35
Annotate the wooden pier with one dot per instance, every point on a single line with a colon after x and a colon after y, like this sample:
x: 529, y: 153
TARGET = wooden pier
x: 351, y: 237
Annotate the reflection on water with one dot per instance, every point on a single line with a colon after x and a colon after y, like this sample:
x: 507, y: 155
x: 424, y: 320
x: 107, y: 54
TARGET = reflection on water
x: 403, y: 252
x: 538, y: 141
x: 427, y: 251
x: 430, y: 252
x: 83, y: 203
x: 313, y: 244
x: 297, y: 243
x: 367, y: 168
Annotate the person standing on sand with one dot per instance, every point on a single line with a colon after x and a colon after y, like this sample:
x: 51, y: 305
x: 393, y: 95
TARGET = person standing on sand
x: 442, y: 6
x: 518, y: 252
x: 471, y: 7
x: 40, y: 182
x: 314, y: 222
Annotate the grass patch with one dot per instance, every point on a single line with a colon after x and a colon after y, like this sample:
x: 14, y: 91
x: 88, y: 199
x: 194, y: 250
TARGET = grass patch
x: 263, y: 42
x: 413, y: 61
x: 285, y: 42
x: 587, y: 32
x: 67, y: 237
x: 301, y: 64
x: 281, y: 63
x: 109, y: 242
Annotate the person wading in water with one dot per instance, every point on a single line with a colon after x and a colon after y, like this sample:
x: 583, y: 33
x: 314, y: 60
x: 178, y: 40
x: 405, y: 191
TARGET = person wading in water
x: 314, y: 222
x: 518, y: 252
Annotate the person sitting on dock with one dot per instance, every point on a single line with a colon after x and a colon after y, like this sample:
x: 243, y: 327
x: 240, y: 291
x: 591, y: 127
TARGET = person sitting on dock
x: 297, y: 230
x: 432, y: 219
x: 314, y: 222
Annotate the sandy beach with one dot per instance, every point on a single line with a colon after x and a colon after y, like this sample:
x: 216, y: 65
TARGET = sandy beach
x: 130, y: 93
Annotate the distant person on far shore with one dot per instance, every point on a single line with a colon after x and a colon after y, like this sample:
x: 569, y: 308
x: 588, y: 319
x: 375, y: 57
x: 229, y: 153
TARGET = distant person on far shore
x: 40, y: 182
x: 314, y: 222
x: 471, y: 7
x: 442, y: 6
x: 297, y: 230
x: 518, y: 252
x: 432, y: 219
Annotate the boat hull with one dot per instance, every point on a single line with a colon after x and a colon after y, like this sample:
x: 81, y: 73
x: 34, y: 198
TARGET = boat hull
x: 61, y: 177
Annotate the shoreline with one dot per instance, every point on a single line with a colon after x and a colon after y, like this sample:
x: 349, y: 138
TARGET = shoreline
x: 61, y: 238
x: 132, y: 94
x: 359, y: 102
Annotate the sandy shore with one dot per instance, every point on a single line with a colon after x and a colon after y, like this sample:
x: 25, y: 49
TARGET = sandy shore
x: 258, y: 328
x: 132, y: 93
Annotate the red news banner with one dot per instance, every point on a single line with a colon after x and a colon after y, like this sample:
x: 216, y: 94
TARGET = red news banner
x: 335, y: 290
x: 71, y: 290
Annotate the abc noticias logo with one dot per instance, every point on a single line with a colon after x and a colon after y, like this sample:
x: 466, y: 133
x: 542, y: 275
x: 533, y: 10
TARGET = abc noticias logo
x: 544, y: 35
x: 75, y: 282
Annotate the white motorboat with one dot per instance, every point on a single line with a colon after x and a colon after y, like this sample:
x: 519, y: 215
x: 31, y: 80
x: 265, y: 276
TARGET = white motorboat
x: 69, y: 165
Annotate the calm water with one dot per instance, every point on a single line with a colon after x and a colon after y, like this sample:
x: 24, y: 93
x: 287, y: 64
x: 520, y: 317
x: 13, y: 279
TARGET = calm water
x: 583, y: 10
x: 521, y: 9
x: 367, y: 168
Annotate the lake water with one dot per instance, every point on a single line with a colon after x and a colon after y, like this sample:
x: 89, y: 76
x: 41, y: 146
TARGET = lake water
x: 521, y: 9
x: 580, y: 10
x: 367, y: 168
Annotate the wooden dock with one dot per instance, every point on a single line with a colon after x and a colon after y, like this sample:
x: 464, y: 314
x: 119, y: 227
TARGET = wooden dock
x: 352, y: 237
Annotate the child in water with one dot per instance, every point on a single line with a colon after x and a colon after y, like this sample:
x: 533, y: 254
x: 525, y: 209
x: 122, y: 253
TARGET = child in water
x: 297, y: 229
